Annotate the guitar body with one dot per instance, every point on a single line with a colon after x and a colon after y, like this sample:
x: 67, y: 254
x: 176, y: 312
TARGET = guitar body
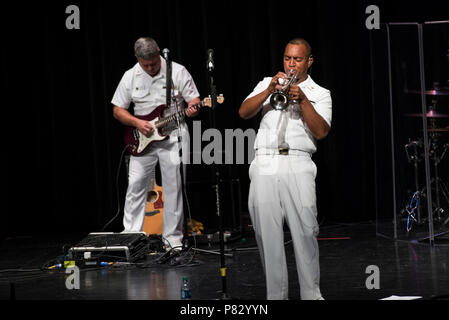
x: 154, y: 211
x: 137, y: 143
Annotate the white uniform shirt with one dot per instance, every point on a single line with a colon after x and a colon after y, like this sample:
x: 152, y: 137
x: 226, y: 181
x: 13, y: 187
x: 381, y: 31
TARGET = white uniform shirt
x: 147, y: 92
x: 288, y: 125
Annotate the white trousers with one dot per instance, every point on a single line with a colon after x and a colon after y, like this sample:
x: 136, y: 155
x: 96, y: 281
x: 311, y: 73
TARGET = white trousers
x: 282, y: 190
x: 140, y: 174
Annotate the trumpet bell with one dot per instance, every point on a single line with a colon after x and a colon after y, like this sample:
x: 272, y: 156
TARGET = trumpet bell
x: 279, y: 101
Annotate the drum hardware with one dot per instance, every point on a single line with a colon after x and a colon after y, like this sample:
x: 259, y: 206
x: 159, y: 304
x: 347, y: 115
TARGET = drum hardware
x: 411, y: 150
x: 437, y: 90
x: 414, y: 205
x: 431, y: 114
x: 439, y: 184
x: 435, y: 153
x: 446, y: 129
x: 432, y: 92
x: 413, y: 208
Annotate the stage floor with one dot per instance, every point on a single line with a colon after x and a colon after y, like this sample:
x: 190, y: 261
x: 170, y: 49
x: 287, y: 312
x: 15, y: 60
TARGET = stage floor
x: 346, y: 251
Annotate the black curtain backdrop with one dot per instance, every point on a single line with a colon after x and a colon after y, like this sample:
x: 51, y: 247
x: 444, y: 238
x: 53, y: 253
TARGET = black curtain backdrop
x: 63, y: 145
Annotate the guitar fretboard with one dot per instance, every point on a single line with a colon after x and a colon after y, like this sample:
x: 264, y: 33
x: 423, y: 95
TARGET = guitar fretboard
x: 171, y: 118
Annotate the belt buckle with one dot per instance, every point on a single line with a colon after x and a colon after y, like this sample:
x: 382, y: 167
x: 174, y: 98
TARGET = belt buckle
x: 283, y: 151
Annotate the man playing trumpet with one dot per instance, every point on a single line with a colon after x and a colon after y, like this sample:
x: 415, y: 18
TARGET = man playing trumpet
x: 283, y: 174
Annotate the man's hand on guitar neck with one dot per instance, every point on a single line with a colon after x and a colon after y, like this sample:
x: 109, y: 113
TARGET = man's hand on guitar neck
x: 191, y: 111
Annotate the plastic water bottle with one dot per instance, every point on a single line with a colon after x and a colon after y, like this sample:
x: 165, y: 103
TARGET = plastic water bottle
x: 185, y: 289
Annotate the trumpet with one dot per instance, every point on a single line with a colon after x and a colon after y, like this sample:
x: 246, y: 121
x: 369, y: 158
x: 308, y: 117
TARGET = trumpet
x: 279, y: 100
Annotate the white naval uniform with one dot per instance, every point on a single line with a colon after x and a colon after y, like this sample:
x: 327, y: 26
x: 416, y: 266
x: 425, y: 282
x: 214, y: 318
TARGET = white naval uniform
x: 147, y: 93
x: 283, y: 189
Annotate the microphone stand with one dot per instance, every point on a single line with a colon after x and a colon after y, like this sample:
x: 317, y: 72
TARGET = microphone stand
x: 213, y: 95
x: 169, y: 90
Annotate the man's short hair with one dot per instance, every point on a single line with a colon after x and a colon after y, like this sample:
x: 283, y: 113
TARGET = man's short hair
x: 146, y: 48
x: 298, y: 41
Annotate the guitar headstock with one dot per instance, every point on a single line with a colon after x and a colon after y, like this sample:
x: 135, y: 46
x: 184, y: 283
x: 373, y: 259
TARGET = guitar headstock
x: 208, y: 101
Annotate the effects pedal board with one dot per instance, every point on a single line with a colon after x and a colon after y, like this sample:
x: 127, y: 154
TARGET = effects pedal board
x: 99, y: 248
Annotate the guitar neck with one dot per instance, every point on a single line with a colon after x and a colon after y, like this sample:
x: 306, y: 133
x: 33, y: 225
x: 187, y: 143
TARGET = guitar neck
x: 162, y: 122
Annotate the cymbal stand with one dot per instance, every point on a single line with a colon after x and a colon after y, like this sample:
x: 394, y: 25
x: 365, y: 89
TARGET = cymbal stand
x: 413, y: 157
x: 439, y: 185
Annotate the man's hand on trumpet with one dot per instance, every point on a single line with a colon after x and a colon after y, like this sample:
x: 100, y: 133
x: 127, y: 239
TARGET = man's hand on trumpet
x: 295, y: 93
x: 274, y: 84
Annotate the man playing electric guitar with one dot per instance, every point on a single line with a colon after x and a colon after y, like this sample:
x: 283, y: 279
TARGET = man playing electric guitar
x: 145, y: 86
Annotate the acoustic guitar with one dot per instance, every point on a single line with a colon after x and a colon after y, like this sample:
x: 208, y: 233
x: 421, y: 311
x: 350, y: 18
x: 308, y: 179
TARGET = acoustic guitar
x: 154, y: 209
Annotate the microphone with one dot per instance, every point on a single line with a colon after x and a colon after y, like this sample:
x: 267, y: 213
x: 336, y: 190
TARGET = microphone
x: 210, y: 60
x: 165, y: 53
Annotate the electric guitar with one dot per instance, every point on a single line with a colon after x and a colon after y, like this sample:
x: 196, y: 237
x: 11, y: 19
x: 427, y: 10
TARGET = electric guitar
x: 137, y: 143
